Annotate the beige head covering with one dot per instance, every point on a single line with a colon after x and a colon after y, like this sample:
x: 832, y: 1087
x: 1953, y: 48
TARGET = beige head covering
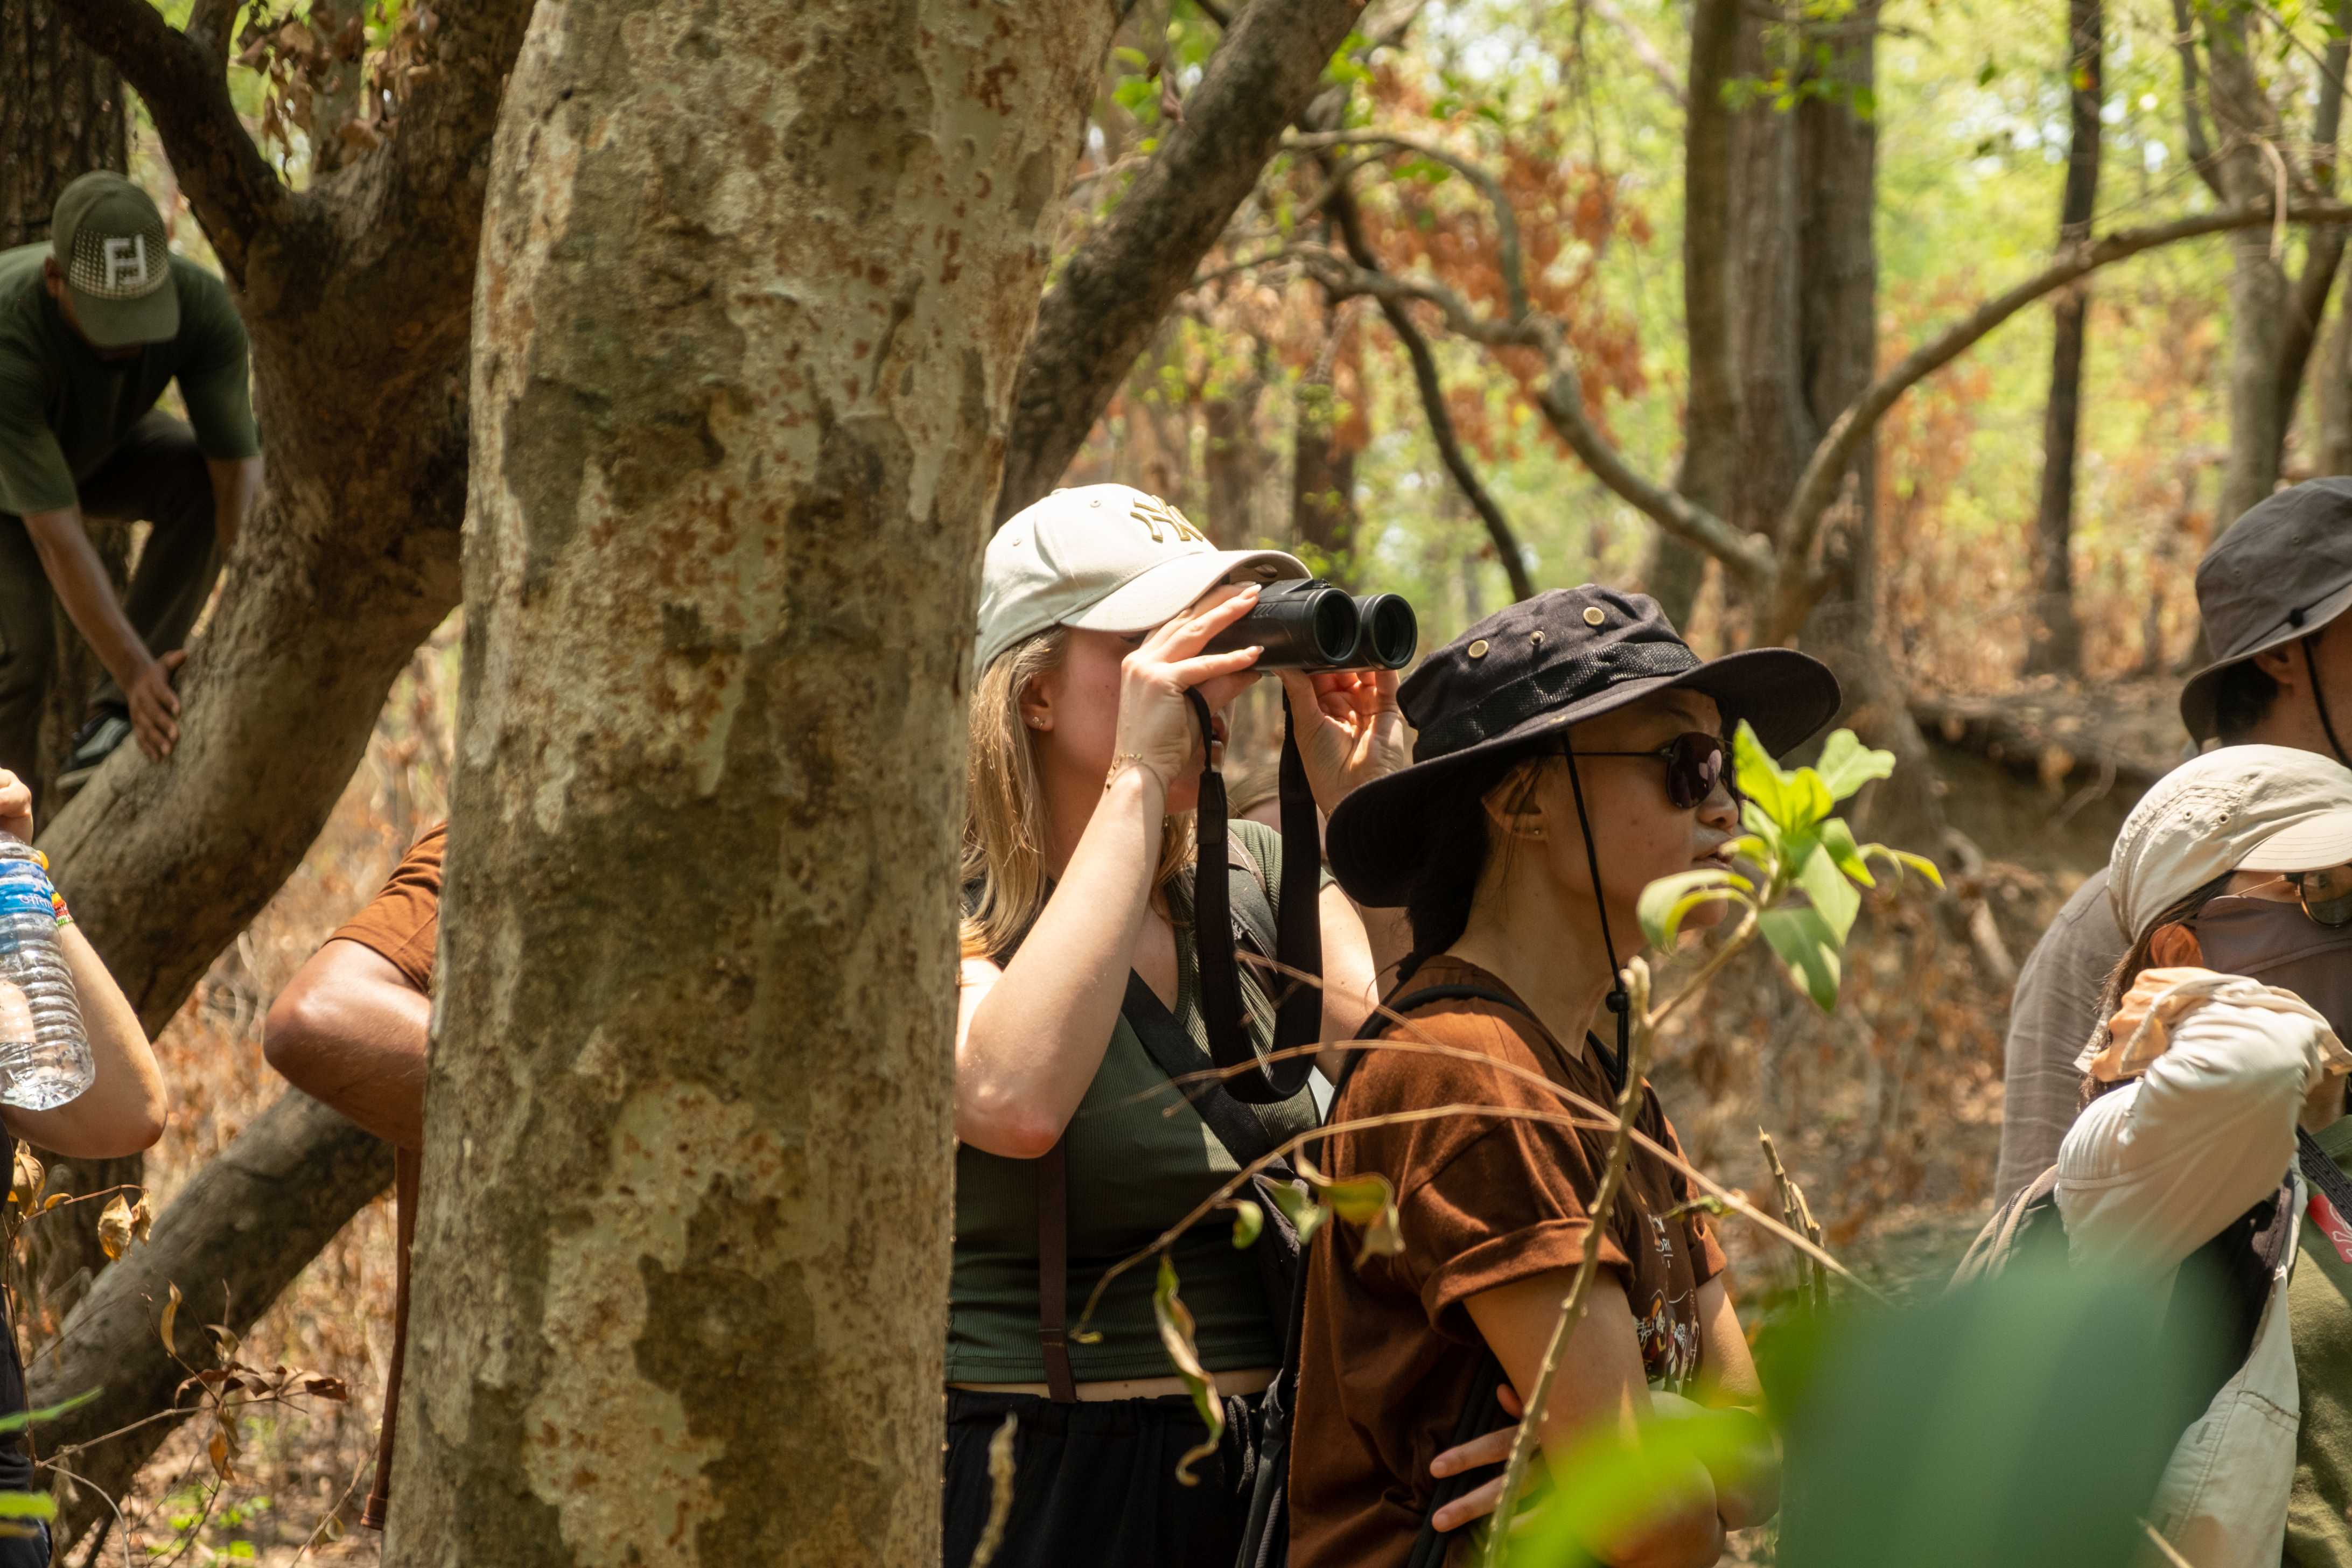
x: 2241, y: 808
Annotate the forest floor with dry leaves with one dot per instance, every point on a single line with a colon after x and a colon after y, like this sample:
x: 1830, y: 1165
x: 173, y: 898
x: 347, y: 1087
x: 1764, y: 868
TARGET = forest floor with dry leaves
x: 1888, y: 1114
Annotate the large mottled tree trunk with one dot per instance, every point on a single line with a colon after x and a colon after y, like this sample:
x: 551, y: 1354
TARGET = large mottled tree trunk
x: 2056, y: 637
x: 2246, y: 121
x: 754, y: 290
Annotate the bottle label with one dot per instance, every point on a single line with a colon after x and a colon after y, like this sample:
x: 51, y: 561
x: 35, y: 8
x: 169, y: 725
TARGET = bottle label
x: 25, y: 891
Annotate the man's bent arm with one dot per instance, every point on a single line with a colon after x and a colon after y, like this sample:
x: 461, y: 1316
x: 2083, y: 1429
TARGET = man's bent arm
x: 237, y: 484
x: 350, y: 1030
x: 87, y: 594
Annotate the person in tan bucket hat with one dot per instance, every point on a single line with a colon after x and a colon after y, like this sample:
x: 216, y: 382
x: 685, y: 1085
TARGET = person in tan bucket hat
x: 2272, y: 591
x: 2209, y: 1156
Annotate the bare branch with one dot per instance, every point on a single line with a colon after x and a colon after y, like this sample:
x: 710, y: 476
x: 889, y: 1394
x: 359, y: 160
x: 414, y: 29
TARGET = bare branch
x: 1660, y: 68
x: 1399, y: 316
x: 2192, y: 118
x: 1824, y: 473
x: 1128, y: 271
x: 1506, y: 218
x: 212, y: 24
x: 1560, y: 400
x: 235, y: 195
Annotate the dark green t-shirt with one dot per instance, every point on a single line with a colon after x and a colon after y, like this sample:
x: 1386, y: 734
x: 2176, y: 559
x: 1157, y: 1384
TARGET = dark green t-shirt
x: 63, y: 409
x: 1134, y: 1171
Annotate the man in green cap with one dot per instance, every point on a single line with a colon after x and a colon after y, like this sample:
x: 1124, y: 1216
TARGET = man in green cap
x: 93, y: 326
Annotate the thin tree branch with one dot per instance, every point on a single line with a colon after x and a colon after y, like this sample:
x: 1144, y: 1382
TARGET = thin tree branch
x: 1661, y: 70
x: 1817, y: 488
x: 1507, y: 249
x: 186, y: 88
x: 1399, y: 315
x: 1118, y: 284
x: 2201, y: 148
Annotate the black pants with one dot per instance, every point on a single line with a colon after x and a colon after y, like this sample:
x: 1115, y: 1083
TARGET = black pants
x: 1095, y: 1483
x: 157, y: 476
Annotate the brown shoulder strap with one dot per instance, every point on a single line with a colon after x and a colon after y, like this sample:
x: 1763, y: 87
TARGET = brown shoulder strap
x: 404, y: 1164
x: 1054, y: 1270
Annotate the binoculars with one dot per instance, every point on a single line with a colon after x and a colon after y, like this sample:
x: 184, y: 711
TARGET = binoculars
x: 1312, y: 625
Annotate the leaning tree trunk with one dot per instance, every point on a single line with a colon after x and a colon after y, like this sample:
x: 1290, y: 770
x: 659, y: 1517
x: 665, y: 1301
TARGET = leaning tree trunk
x: 356, y: 295
x: 62, y: 113
x: 2055, y: 643
x: 2244, y: 121
x: 753, y: 293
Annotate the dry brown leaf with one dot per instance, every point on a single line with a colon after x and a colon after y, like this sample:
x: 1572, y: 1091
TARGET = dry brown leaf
x: 25, y: 1181
x: 142, y: 1217
x: 220, y: 1452
x: 327, y: 1387
x: 171, y: 1312
x: 114, y: 1227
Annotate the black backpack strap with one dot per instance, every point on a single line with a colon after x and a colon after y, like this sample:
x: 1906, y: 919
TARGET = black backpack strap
x: 1244, y: 1131
x: 1298, y: 935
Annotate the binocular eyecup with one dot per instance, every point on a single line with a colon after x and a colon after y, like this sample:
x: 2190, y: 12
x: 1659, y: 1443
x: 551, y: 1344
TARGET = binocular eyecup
x: 1315, y: 625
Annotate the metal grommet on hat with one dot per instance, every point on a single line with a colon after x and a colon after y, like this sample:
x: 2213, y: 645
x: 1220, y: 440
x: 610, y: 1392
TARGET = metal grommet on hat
x: 1476, y: 649
x: 1595, y: 616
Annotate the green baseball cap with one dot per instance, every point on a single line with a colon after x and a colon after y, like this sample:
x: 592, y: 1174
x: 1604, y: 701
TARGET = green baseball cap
x: 109, y: 241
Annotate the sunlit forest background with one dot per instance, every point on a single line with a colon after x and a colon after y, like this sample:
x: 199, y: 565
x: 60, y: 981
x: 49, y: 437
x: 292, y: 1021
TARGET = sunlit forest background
x: 1273, y: 411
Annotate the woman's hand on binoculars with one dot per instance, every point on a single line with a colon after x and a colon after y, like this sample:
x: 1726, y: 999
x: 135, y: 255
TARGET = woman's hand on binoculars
x: 1155, y: 722
x: 1349, y: 729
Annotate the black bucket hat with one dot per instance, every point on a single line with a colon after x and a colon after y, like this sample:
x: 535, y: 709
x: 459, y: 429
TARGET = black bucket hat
x: 1518, y: 678
x: 2279, y: 574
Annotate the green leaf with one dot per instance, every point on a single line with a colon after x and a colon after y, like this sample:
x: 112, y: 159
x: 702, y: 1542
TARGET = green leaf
x: 1904, y: 860
x: 1809, y: 798
x: 1837, y: 840
x: 1832, y: 896
x: 1133, y: 58
x: 1668, y: 901
x: 1306, y: 1215
x: 1248, y: 1221
x: 1808, y: 949
x: 1176, y: 1331
x: 1761, y: 778
x: 24, y: 1418
x: 1847, y: 765
x: 1608, y: 1488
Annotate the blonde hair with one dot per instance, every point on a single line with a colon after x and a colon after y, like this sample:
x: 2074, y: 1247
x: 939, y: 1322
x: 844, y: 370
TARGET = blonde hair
x: 1004, y: 821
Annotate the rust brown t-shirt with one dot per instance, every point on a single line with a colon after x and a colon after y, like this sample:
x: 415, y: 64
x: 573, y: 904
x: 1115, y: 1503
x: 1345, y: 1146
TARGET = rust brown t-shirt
x: 1390, y: 1351
x: 401, y: 923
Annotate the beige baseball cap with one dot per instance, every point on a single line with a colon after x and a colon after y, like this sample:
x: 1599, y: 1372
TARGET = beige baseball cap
x: 2241, y: 808
x: 1104, y: 558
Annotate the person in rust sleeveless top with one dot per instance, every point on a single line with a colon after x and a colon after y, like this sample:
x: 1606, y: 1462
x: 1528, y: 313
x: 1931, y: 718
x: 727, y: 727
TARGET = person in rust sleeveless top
x: 350, y: 1029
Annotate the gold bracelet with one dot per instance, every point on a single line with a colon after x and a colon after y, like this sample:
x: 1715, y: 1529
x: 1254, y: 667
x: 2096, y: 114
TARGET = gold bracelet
x: 1121, y: 763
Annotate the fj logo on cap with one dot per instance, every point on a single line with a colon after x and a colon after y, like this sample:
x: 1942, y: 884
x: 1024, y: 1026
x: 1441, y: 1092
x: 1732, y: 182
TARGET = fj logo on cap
x: 126, y: 263
x: 117, y: 266
x: 1155, y: 514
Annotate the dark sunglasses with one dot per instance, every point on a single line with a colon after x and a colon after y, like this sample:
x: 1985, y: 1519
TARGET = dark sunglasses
x: 1696, y: 764
x: 2325, y: 896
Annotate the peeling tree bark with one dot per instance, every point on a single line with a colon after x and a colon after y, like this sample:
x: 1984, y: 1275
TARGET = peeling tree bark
x: 753, y: 293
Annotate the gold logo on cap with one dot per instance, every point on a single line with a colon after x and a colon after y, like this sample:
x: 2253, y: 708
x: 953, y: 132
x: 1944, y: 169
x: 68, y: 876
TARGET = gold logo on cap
x: 1155, y: 513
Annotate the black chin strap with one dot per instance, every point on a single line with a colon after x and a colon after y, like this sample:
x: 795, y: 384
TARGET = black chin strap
x: 1298, y: 930
x: 2319, y: 700
x: 1618, y: 1002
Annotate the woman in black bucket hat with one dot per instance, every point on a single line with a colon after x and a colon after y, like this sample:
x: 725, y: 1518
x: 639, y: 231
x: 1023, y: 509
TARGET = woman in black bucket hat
x: 1571, y: 749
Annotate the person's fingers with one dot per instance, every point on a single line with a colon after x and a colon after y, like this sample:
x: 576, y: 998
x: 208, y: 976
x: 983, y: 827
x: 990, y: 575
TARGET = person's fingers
x: 16, y: 797
x: 1509, y: 1398
x: 1299, y: 692
x: 1192, y: 671
x: 172, y: 660
x: 1492, y: 1448
x: 1187, y: 634
x: 1471, y: 1506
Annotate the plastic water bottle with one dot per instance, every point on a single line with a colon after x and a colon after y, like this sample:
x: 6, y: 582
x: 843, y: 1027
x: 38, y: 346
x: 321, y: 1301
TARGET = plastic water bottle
x: 45, y: 1058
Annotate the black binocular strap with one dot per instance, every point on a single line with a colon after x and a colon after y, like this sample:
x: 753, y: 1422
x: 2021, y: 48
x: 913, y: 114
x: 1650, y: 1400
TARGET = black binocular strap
x: 1298, y: 930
